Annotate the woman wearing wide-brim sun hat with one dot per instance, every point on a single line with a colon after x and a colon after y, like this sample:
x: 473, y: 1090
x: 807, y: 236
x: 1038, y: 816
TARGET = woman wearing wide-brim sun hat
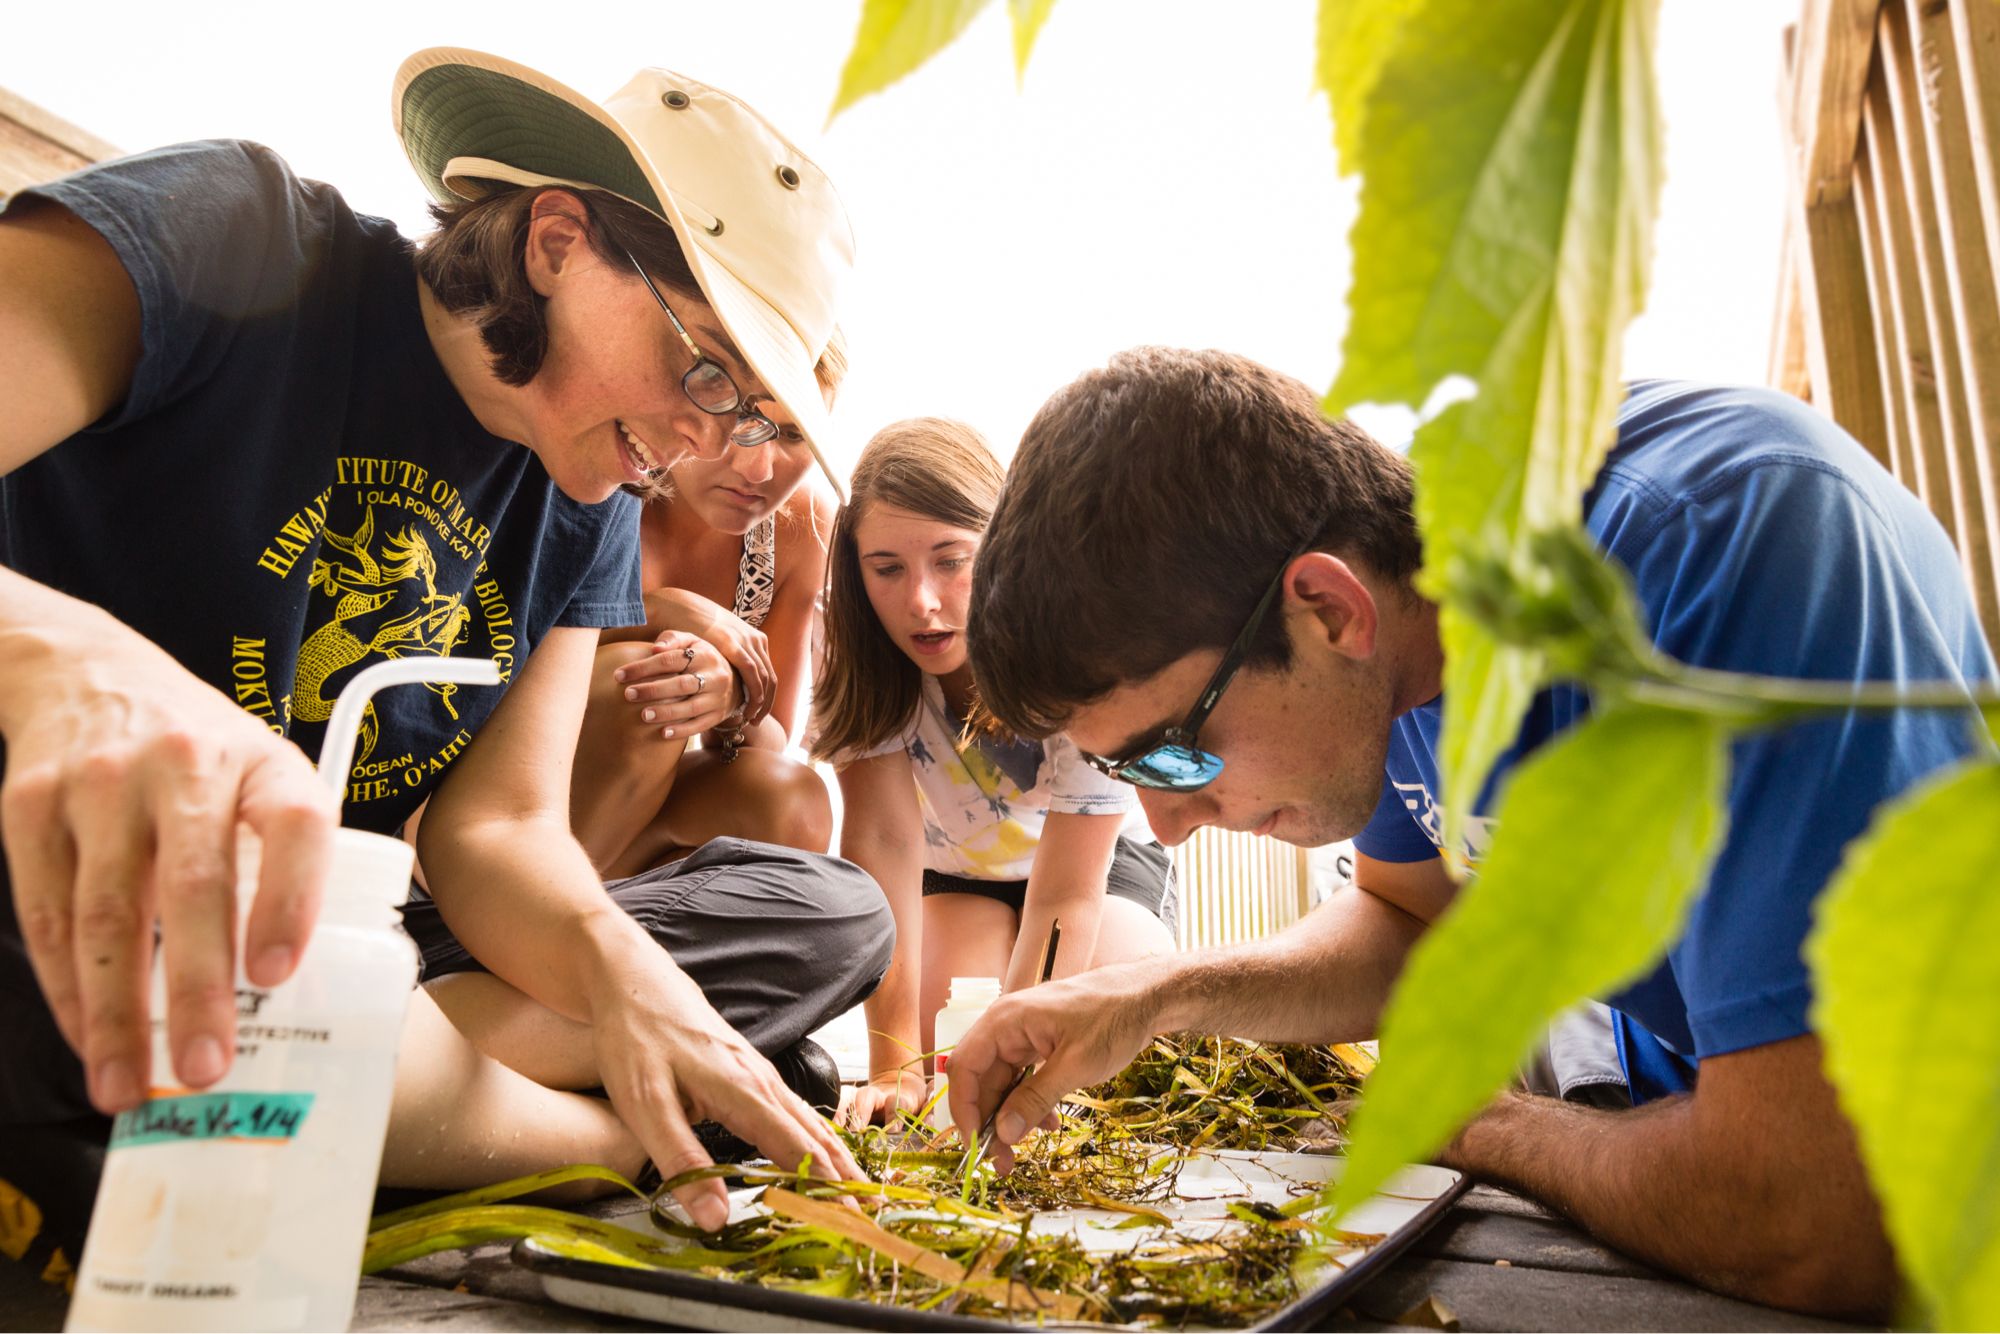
x: 252, y: 442
x: 759, y: 229
x: 756, y: 222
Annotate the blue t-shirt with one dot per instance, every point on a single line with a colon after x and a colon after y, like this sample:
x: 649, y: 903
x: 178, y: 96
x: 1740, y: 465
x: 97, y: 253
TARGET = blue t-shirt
x: 291, y: 491
x: 1760, y: 538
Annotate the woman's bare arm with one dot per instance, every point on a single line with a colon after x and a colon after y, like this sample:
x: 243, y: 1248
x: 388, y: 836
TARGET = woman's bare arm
x: 883, y: 833
x: 127, y: 777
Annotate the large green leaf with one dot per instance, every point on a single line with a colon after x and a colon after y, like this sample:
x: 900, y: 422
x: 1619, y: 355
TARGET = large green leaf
x: 1487, y: 687
x: 1354, y: 39
x: 1604, y: 837
x: 1907, y: 992
x: 1470, y: 482
x: 1511, y: 162
x: 896, y: 38
x: 1028, y: 16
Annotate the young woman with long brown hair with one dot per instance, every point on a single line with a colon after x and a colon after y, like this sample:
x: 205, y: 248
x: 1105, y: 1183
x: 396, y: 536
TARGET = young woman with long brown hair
x: 978, y: 840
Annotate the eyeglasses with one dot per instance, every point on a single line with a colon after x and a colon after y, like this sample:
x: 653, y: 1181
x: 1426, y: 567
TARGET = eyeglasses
x: 707, y: 385
x: 1175, y: 763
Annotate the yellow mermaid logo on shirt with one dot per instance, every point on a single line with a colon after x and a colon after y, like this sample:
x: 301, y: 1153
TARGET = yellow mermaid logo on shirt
x: 386, y: 606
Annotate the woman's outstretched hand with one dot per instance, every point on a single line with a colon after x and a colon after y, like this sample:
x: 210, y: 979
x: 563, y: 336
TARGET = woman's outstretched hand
x: 668, y: 1060
x: 882, y: 1097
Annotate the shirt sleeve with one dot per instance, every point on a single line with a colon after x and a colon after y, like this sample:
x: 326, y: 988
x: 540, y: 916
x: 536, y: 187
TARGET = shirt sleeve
x: 213, y: 235
x: 891, y: 745
x: 608, y: 591
x: 1794, y: 568
x: 1077, y: 789
x: 1392, y: 833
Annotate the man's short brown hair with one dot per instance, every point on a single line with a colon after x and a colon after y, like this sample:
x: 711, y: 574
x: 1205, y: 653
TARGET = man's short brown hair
x: 1150, y: 504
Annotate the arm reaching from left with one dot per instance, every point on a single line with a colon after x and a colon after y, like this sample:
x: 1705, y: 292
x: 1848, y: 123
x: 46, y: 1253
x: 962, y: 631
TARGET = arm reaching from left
x: 127, y: 777
x: 520, y: 893
x: 883, y: 834
x: 127, y: 780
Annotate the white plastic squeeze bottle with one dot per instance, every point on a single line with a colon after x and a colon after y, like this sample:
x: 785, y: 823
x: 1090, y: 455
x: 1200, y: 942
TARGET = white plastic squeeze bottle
x: 967, y: 1000
x: 244, y: 1206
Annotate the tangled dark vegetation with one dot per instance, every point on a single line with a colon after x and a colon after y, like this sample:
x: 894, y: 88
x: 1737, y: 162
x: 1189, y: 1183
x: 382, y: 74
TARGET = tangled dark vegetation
x: 931, y: 1236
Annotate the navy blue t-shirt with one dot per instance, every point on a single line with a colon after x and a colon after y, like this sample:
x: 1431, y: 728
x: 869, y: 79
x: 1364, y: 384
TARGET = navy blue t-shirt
x: 291, y: 491
x: 1760, y: 538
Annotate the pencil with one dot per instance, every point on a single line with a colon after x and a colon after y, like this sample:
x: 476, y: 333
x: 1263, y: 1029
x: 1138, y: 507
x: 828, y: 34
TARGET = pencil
x: 1049, y: 951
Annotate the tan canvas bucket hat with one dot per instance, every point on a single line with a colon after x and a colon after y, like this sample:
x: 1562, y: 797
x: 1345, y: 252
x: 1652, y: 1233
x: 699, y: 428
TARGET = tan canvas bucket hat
x: 761, y: 226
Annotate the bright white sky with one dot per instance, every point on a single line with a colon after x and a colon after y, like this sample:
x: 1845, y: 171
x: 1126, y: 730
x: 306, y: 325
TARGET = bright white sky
x: 1165, y: 174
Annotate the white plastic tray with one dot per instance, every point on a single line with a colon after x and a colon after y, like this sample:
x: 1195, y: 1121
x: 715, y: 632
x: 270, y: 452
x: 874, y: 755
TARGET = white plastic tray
x: 1209, y: 1182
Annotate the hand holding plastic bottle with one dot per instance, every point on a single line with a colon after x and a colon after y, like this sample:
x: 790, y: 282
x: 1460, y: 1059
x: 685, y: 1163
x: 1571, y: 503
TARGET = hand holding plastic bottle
x: 126, y: 780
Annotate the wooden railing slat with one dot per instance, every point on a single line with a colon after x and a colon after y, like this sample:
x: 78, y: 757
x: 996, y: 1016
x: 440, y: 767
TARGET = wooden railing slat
x: 1839, y: 347
x: 1237, y: 887
x: 1912, y: 133
x: 1890, y: 363
x: 1918, y: 407
x: 1975, y: 28
x: 1892, y: 113
x: 1830, y: 69
x: 1968, y: 267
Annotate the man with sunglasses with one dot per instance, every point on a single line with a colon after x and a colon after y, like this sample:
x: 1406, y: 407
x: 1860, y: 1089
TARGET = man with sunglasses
x: 1250, y: 651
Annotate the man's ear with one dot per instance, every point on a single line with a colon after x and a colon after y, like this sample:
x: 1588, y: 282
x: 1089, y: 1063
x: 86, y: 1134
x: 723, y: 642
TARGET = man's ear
x: 558, y: 236
x: 1344, y: 614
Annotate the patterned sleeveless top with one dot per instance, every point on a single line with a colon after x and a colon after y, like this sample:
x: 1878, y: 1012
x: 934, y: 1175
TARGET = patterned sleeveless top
x: 757, y: 574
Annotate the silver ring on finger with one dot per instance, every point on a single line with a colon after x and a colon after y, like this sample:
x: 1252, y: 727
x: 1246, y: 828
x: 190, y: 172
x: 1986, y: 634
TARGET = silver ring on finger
x: 698, y: 682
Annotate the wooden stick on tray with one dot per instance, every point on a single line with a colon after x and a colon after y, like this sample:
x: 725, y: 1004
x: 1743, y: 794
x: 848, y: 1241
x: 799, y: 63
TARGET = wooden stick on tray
x: 855, y: 1227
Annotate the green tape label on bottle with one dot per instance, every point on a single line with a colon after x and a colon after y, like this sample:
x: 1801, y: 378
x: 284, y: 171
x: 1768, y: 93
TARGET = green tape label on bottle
x: 251, y: 1117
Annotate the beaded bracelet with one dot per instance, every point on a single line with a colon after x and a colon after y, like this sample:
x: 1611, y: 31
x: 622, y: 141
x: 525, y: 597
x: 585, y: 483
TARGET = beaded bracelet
x: 732, y: 738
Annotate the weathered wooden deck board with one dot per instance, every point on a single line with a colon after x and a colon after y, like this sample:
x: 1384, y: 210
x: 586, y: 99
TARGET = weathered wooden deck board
x: 1485, y: 1296
x: 485, y: 1270
x: 1467, y: 1234
x: 390, y: 1304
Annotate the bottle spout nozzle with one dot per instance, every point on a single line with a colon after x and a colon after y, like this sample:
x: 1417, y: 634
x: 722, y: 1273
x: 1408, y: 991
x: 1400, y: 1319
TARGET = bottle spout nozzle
x: 336, y: 754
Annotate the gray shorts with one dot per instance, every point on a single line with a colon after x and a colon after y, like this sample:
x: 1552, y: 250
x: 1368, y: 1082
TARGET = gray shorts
x: 779, y: 940
x: 1140, y: 872
x: 1577, y: 1060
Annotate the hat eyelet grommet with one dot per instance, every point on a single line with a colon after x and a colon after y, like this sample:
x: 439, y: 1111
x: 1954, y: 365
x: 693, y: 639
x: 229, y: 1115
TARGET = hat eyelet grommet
x: 675, y: 98
x: 788, y: 176
x: 714, y: 228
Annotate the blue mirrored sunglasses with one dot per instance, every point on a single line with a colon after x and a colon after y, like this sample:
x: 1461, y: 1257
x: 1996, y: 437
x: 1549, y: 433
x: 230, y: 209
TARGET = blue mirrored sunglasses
x: 1175, y: 763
